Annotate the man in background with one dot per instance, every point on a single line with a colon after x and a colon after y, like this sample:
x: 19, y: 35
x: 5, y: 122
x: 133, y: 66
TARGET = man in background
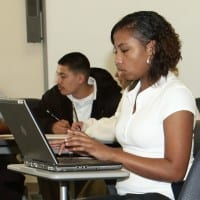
x: 81, y: 92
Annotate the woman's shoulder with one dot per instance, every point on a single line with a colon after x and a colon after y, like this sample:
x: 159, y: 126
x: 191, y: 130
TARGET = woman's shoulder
x: 177, y: 96
x: 174, y: 87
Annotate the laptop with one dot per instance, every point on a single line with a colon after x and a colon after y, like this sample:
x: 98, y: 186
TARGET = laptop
x: 34, y: 146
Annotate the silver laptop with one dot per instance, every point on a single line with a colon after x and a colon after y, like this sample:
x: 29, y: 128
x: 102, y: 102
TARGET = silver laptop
x: 34, y: 145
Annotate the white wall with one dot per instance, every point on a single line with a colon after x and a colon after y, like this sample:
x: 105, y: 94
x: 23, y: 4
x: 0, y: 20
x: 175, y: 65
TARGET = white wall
x: 87, y: 26
x: 77, y: 25
x: 21, y: 63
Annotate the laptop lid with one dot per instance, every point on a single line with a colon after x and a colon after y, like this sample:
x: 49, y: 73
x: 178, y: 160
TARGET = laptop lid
x: 31, y: 141
x: 34, y: 145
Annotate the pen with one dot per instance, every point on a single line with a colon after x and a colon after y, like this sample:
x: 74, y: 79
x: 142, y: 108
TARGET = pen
x: 75, y: 116
x: 52, y: 115
x: 75, y: 113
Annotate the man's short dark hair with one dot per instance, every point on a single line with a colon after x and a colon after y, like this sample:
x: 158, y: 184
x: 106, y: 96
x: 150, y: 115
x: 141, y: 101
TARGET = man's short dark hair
x: 76, y: 62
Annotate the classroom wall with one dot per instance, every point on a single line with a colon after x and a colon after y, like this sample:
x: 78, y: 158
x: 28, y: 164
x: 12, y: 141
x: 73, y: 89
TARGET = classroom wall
x: 21, y: 63
x: 85, y: 26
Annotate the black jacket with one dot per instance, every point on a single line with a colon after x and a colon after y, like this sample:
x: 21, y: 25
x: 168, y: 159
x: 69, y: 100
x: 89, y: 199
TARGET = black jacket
x: 105, y: 105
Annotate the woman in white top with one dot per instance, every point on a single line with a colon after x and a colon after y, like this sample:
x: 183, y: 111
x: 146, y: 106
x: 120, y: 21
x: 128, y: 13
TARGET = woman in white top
x: 155, y: 124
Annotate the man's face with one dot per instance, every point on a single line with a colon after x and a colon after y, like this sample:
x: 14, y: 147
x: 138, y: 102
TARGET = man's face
x: 68, y: 81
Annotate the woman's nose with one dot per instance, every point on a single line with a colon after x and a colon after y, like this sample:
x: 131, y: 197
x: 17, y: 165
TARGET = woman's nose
x: 118, y: 59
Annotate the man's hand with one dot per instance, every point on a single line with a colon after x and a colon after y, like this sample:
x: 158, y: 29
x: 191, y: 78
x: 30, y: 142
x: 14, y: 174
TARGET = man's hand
x: 60, y: 127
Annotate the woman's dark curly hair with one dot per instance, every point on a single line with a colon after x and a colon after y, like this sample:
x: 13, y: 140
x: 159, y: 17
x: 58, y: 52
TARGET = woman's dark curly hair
x: 149, y: 26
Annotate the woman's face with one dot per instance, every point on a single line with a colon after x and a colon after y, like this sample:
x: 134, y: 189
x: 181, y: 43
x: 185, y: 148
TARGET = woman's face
x: 130, y: 56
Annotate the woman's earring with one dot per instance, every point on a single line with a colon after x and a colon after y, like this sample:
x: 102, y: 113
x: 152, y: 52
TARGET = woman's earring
x: 148, y: 60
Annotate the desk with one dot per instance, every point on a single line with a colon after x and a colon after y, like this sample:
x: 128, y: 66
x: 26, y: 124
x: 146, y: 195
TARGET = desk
x: 63, y: 177
x: 9, y: 146
x: 48, y: 136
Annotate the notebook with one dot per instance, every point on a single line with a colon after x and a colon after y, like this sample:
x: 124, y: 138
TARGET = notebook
x: 34, y: 146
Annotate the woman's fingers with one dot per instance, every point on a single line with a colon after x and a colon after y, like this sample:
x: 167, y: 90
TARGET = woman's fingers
x: 61, y: 149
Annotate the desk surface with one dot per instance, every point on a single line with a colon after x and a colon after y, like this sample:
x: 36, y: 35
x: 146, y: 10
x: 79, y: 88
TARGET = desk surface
x: 65, y: 176
x: 6, y: 137
x: 8, y: 145
x: 48, y: 136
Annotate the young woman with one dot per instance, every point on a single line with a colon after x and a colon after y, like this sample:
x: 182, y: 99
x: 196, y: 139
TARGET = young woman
x: 155, y: 125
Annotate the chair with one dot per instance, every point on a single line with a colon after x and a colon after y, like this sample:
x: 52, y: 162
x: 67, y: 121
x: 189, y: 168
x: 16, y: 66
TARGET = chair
x: 32, y: 102
x: 198, y: 103
x: 177, y: 187
x: 191, y: 187
x: 196, y: 138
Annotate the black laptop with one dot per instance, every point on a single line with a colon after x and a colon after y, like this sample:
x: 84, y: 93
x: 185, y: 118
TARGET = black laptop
x: 34, y: 145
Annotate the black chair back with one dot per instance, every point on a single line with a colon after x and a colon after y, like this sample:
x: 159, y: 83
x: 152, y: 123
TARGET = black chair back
x: 198, y: 103
x: 32, y: 103
x: 191, y: 187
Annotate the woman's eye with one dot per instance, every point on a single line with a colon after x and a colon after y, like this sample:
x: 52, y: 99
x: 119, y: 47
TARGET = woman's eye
x: 124, y: 50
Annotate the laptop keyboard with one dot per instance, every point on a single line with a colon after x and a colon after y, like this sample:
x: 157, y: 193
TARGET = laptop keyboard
x: 79, y: 160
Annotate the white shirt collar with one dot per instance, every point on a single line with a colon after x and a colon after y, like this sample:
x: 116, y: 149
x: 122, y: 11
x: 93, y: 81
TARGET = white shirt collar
x: 146, y: 93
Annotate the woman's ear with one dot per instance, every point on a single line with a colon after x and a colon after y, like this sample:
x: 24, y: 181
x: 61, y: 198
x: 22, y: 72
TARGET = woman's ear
x: 151, y: 47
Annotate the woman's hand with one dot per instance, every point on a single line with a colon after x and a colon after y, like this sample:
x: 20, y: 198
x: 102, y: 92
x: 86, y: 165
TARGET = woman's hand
x: 79, y: 142
x: 77, y: 126
x: 56, y: 145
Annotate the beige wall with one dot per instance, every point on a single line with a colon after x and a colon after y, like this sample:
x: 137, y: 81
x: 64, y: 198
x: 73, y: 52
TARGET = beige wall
x: 88, y: 25
x: 21, y: 63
